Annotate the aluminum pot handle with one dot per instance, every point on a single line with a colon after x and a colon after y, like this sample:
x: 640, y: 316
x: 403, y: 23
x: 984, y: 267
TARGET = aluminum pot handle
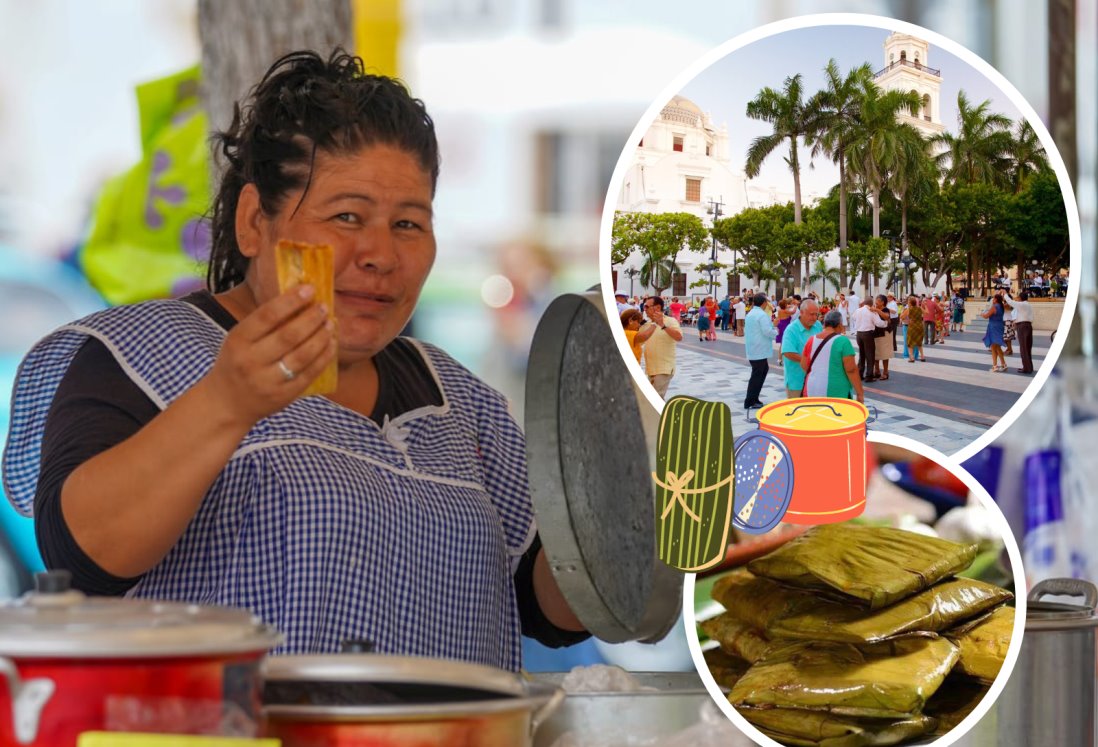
x: 541, y: 714
x: 27, y: 701
x: 1067, y: 587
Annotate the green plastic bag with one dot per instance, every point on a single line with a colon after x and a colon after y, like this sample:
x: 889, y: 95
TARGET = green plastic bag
x: 148, y: 237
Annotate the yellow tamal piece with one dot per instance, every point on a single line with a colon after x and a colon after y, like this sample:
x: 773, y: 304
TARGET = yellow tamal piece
x: 883, y: 680
x: 311, y: 264
x: 129, y: 739
x: 725, y: 668
x: 821, y: 729
x: 760, y: 602
x: 984, y: 644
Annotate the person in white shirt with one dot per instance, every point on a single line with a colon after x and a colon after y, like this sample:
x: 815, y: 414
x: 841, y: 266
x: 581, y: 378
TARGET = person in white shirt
x: 855, y: 302
x: 893, y: 317
x: 1023, y: 329
x: 741, y: 315
x: 623, y: 304
x: 866, y: 320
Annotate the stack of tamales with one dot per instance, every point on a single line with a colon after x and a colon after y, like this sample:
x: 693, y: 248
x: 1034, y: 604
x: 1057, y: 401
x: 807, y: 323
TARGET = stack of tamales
x: 855, y: 635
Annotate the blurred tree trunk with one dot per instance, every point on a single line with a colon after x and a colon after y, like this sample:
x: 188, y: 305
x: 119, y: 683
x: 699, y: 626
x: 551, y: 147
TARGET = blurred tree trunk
x: 242, y: 38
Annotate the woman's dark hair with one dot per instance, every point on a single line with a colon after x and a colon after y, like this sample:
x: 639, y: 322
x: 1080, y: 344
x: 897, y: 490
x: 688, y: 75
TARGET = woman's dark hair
x: 304, y: 104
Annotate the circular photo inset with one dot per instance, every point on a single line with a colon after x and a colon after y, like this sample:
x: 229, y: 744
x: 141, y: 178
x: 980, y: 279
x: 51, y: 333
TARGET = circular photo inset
x: 898, y: 627
x: 858, y: 209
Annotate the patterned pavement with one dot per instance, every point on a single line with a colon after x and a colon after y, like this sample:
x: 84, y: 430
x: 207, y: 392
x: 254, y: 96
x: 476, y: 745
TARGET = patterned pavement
x: 945, y: 403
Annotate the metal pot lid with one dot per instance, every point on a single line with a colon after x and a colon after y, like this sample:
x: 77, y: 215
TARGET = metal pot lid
x: 1041, y: 615
x: 55, y: 621
x: 764, y: 482
x: 591, y: 443
x: 356, y: 687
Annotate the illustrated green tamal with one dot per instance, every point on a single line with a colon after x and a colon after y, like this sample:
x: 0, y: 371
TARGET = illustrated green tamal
x: 694, y: 483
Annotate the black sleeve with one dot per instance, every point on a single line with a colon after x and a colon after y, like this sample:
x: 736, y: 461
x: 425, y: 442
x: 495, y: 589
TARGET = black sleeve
x: 534, y: 622
x: 96, y: 407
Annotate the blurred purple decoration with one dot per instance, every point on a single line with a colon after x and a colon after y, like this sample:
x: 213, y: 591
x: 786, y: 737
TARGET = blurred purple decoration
x: 183, y: 286
x: 196, y: 239
x: 173, y: 195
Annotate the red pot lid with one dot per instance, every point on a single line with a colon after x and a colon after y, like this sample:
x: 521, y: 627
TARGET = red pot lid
x: 56, y: 621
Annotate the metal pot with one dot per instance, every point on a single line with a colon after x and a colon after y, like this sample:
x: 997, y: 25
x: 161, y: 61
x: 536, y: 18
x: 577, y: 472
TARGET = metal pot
x: 72, y: 664
x: 822, y: 434
x: 1049, y: 699
x: 358, y: 699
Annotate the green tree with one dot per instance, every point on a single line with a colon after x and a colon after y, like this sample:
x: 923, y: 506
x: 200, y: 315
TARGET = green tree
x: 823, y: 274
x: 659, y: 237
x: 754, y: 233
x: 785, y: 110
x: 1038, y: 223
x: 881, y: 140
x: 867, y: 257
x: 837, y: 113
x: 1027, y: 155
x: 980, y: 151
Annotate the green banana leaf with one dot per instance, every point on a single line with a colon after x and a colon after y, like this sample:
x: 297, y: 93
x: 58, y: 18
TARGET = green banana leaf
x: 930, y: 611
x: 877, y: 566
x: 984, y: 644
x: 955, y: 699
x: 725, y: 668
x: 820, y: 729
x: 760, y: 602
x: 736, y: 637
x: 884, y: 680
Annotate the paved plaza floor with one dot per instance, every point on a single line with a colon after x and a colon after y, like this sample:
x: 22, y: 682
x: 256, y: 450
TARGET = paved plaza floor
x: 945, y: 403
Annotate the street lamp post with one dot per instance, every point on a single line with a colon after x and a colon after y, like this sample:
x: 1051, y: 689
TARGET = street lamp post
x: 714, y: 210
x: 909, y: 264
x: 632, y: 272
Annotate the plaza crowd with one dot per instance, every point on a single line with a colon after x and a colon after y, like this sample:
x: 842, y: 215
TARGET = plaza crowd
x: 826, y: 347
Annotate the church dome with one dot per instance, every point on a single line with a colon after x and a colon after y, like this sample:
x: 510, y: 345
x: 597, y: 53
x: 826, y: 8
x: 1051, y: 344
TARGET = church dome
x: 680, y: 109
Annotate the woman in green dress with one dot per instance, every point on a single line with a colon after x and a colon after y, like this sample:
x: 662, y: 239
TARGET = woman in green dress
x: 915, y: 330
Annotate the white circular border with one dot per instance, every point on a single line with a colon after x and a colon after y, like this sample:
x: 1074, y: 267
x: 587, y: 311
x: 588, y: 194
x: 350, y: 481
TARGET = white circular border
x: 887, y: 24
x: 690, y: 621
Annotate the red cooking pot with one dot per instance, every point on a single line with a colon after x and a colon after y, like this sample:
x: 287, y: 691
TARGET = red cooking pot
x: 71, y: 663
x: 365, y: 700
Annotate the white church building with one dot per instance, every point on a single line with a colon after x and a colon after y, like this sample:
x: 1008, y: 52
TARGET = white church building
x: 683, y: 164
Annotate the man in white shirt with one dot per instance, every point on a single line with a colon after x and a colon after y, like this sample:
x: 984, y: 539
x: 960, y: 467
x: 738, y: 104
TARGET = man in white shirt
x: 854, y: 301
x: 866, y: 320
x: 741, y: 315
x: 623, y: 304
x: 1023, y: 329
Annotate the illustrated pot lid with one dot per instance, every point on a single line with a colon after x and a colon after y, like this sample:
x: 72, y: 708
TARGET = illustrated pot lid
x: 591, y: 442
x: 55, y: 622
x: 355, y: 687
x: 764, y: 482
x: 816, y: 415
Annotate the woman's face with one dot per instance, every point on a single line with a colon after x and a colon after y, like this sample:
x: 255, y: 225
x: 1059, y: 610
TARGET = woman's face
x: 373, y: 207
x: 634, y: 323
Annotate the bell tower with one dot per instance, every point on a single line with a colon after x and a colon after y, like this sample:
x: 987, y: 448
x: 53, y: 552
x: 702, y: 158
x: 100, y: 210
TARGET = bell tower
x: 907, y: 68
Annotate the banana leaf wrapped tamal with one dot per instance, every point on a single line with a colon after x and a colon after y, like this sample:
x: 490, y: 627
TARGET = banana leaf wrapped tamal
x: 736, y: 637
x: 760, y: 602
x: 884, y: 680
x: 820, y: 729
x: 876, y: 565
x: 930, y: 611
x: 984, y: 644
x: 956, y: 698
x: 725, y: 668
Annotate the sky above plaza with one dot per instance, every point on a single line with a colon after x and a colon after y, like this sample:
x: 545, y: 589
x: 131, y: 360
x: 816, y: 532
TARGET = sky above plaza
x: 725, y: 87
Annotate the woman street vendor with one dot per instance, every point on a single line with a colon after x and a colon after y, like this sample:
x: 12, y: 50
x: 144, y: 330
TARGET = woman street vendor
x: 165, y: 450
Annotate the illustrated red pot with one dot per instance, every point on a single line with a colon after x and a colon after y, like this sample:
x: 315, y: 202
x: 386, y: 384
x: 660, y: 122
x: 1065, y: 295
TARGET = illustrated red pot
x: 71, y: 664
x: 364, y: 700
x: 826, y: 440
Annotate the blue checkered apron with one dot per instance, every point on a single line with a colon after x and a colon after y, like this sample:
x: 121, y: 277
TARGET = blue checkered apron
x: 324, y: 523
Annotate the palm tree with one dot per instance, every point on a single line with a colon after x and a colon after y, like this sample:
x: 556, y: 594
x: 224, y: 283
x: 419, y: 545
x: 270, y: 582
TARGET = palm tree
x: 980, y: 151
x: 881, y: 140
x: 826, y: 274
x: 786, y: 111
x: 1027, y: 155
x: 836, y: 112
x: 658, y: 274
x: 913, y: 175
